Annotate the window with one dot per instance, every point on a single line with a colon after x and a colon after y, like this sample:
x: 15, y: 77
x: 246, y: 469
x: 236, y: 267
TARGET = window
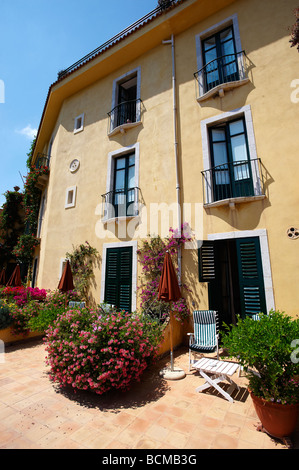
x: 41, y: 215
x: 126, y: 103
x: 222, y: 63
x: 34, y: 272
x: 232, y: 171
x: 70, y: 199
x: 220, y: 59
x: 63, y: 262
x: 122, y: 192
x: 50, y: 150
x: 79, y: 123
x: 124, y: 185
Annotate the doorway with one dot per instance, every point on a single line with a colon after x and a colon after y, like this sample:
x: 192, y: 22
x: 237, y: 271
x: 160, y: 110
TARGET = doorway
x: 233, y: 269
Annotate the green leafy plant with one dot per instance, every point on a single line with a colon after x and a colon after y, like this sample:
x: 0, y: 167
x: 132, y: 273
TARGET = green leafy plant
x: 5, y: 316
x: 265, y: 348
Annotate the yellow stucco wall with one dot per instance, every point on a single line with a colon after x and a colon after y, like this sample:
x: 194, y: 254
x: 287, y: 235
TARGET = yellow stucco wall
x: 264, y: 32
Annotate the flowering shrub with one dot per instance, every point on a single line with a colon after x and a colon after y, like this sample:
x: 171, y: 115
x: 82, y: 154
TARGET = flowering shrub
x: 23, y: 251
x: 151, y: 257
x: 21, y: 316
x: 21, y: 295
x: 93, y: 351
x: 34, y: 309
x: 54, y: 305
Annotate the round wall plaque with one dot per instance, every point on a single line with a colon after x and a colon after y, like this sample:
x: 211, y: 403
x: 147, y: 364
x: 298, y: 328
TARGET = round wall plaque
x: 74, y: 165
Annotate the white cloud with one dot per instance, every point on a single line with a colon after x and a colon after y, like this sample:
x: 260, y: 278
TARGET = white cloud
x: 28, y: 131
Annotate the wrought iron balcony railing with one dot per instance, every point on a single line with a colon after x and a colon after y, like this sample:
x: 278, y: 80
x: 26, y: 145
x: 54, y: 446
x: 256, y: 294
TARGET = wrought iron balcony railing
x: 228, y: 70
x: 120, y: 203
x: 240, y: 179
x: 42, y: 160
x: 125, y: 114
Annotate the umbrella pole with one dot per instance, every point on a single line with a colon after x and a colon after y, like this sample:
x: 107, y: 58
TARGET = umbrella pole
x: 171, y: 342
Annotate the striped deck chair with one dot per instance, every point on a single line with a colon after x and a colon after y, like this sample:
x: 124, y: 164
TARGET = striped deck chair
x: 205, y: 336
x: 73, y: 304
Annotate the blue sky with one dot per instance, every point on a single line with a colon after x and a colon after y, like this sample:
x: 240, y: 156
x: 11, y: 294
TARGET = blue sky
x: 37, y: 39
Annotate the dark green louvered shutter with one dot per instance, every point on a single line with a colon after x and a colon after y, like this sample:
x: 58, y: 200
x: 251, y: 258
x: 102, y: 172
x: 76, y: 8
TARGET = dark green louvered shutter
x: 251, y: 279
x: 206, y: 261
x: 118, y: 282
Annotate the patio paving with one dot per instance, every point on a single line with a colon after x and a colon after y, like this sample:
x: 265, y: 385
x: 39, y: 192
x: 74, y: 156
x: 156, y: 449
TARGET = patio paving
x: 154, y: 414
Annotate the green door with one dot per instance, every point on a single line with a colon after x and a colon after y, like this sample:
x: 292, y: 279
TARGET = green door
x: 234, y: 273
x: 118, y: 281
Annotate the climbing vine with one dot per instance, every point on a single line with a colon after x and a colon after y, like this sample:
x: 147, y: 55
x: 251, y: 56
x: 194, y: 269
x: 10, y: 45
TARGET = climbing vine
x: 11, y: 224
x: 82, y: 260
x: 27, y: 242
x: 151, y: 256
x: 295, y: 30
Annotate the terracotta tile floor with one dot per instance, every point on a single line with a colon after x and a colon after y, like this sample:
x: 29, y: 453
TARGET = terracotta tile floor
x: 154, y: 414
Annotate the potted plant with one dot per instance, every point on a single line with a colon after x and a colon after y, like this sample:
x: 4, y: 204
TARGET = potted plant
x: 266, y: 349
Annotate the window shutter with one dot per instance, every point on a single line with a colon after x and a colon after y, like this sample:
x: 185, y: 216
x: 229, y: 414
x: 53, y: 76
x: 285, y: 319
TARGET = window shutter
x: 125, y: 290
x: 118, y: 282
x: 111, y: 277
x: 251, y: 278
x: 206, y: 261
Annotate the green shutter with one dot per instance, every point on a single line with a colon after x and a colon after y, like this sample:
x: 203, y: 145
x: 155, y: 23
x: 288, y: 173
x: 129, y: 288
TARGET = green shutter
x: 118, y: 282
x: 251, y: 278
x: 206, y: 261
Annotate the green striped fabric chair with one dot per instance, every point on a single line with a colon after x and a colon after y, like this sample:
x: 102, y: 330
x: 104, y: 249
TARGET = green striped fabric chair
x: 204, y: 339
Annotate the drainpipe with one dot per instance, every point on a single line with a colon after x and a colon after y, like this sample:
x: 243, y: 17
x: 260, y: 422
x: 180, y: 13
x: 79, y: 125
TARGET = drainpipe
x: 178, y: 189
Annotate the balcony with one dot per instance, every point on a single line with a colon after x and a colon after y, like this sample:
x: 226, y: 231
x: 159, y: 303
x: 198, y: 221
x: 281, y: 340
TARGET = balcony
x: 125, y: 116
x: 120, y: 204
x: 42, y: 164
x: 232, y: 183
x: 221, y: 75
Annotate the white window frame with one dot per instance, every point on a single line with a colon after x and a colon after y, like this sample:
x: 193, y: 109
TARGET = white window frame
x: 134, y: 244
x: 265, y: 256
x: 245, y: 112
x: 41, y: 214
x: 80, y: 128
x: 50, y: 146
x: 71, y: 203
x: 115, y: 129
x: 34, y: 279
x: 62, y: 266
x: 108, y: 215
x: 230, y: 21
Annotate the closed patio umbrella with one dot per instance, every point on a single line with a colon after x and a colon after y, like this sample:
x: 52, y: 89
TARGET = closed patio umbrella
x: 169, y: 291
x: 66, y: 280
x: 3, y: 277
x: 15, y: 278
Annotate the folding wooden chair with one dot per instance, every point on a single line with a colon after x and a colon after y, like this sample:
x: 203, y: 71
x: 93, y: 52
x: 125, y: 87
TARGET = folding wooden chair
x: 204, y: 339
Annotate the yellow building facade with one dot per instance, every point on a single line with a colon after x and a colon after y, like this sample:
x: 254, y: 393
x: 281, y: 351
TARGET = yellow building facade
x: 189, y: 116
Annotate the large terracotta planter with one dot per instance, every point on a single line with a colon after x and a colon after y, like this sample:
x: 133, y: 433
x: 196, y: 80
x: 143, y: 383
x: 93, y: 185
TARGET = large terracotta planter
x: 177, y: 337
x: 277, y: 420
x: 8, y: 338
